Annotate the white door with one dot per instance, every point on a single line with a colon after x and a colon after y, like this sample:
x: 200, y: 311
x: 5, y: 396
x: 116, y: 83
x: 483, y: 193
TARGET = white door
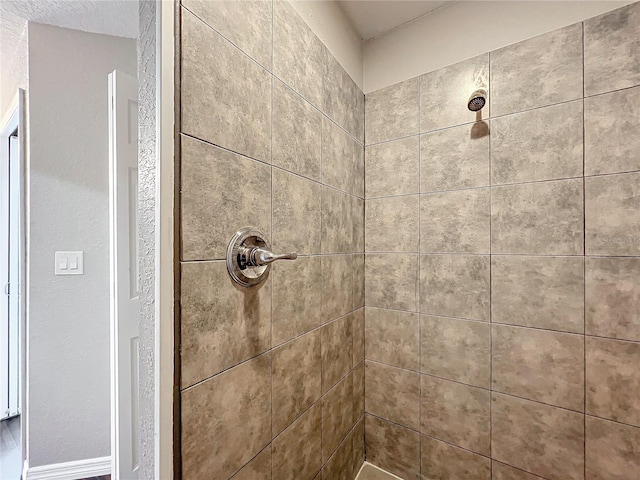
x: 123, y: 222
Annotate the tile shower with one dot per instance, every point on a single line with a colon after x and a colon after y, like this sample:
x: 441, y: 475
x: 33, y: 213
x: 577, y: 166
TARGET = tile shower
x: 498, y: 257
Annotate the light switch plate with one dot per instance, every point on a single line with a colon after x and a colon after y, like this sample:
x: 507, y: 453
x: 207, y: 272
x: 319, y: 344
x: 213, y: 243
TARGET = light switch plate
x: 69, y: 263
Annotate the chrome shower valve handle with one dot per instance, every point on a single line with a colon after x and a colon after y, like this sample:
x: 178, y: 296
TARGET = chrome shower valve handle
x: 249, y: 257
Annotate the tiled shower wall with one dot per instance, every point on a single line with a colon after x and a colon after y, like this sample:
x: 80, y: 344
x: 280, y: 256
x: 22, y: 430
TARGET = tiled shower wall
x: 503, y: 263
x: 271, y: 132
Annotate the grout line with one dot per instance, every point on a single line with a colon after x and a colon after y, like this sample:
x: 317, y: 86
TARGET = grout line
x: 491, y: 326
x: 584, y: 270
x: 419, y: 273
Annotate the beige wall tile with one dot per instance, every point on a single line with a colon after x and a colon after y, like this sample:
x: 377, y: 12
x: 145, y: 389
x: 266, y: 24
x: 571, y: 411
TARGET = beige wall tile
x: 297, y: 300
x: 341, y: 156
x: 337, y: 415
x: 459, y: 350
x: 454, y: 158
x: 221, y: 324
x: 297, y: 133
x: 612, y: 222
x: 226, y: 420
x: 339, y: 466
x: 392, y: 168
x: 337, y: 286
x: 221, y: 193
x: 392, y: 447
x: 357, y: 219
x: 612, y: 450
x: 613, y: 297
x: 456, y: 413
x: 225, y: 96
x: 296, y: 452
x: 505, y: 472
x: 541, y: 71
x: 611, y: 123
x: 337, y: 355
x: 444, y: 93
x: 455, y: 222
x: 259, y: 468
x: 343, y: 100
x: 539, y: 365
x: 358, y: 281
x: 337, y: 221
x: 358, y: 447
x: 611, y: 47
x: 296, y: 214
x: 539, y: 218
x: 297, y: 378
x: 393, y: 337
x: 441, y: 460
x: 541, y: 439
x: 358, y: 392
x: 299, y: 57
x: 541, y: 292
x: 455, y: 286
x: 613, y: 380
x: 392, y: 112
x: 391, y: 281
x: 391, y: 224
x: 393, y: 393
x: 542, y: 144
x: 245, y: 24
x: 358, y: 336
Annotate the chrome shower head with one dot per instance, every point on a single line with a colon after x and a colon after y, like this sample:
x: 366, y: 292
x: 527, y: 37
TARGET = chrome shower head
x: 477, y: 100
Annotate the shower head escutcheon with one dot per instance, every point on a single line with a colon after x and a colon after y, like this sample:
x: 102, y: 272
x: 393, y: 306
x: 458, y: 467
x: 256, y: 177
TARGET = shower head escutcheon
x: 477, y: 100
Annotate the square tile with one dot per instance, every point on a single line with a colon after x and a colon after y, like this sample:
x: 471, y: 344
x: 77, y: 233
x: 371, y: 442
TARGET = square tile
x: 296, y: 213
x: 540, y: 292
x: 391, y: 447
x: 612, y: 450
x: 452, y: 158
x: 259, y: 468
x: 539, y: 365
x: 541, y: 144
x: 391, y: 281
x: 245, y: 24
x: 296, y: 452
x: 297, y: 132
x: 455, y: 222
x: 456, y: 413
x: 393, y: 337
x: 547, y: 441
x: 337, y: 221
x: 611, y: 123
x: 393, y: 393
x: 440, y: 460
x: 341, y: 157
x: 220, y: 192
x: 612, y: 222
x: 297, y: 378
x: 391, y: 224
x: 455, y: 286
x: 517, y: 70
x: 539, y: 218
x: 613, y: 297
x: 295, y: 280
x: 459, y: 350
x: 613, y: 380
x: 392, y: 112
x: 299, y: 57
x: 225, y: 96
x: 226, y: 420
x: 337, y: 355
x: 337, y: 415
x: 444, y: 93
x: 612, y: 50
x: 392, y: 168
x: 221, y: 324
x: 336, y: 276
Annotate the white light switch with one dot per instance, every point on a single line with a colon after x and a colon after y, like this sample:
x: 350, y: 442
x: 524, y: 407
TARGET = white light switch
x: 69, y: 263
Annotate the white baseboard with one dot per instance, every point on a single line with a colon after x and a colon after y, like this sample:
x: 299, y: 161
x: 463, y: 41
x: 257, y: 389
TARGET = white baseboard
x: 92, y: 467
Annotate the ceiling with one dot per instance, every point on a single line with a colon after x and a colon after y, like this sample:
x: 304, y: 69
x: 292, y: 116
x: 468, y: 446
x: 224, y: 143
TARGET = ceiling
x: 371, y: 18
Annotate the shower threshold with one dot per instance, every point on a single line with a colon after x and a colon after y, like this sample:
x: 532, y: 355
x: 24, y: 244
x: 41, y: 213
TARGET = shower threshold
x: 371, y: 472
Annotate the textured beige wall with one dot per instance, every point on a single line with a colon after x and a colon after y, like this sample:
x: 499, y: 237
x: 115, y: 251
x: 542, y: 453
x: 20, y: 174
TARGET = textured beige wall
x: 502, y: 279
x: 271, y: 135
x: 463, y: 30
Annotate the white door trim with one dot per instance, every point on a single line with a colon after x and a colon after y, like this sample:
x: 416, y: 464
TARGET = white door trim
x: 89, y: 468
